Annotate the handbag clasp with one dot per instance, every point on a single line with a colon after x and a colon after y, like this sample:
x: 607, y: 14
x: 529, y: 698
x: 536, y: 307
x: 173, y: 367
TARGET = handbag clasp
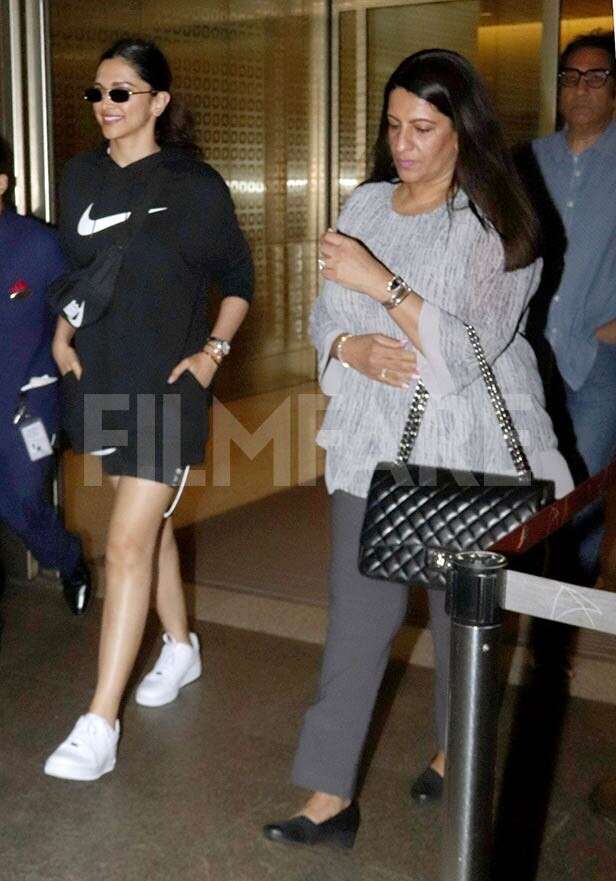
x: 439, y: 559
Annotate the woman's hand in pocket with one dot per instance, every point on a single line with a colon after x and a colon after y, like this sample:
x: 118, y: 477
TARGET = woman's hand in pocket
x: 63, y: 351
x: 202, y: 366
x: 66, y: 358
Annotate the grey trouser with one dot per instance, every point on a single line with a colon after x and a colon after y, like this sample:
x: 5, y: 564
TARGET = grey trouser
x: 364, y: 617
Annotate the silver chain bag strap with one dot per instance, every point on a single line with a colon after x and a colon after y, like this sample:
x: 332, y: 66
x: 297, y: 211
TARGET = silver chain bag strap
x: 418, y: 516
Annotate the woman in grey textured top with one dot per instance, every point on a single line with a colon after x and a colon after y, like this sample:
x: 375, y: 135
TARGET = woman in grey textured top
x: 442, y: 234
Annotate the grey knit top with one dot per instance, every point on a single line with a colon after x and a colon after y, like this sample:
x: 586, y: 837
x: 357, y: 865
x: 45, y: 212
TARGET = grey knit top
x: 458, y: 268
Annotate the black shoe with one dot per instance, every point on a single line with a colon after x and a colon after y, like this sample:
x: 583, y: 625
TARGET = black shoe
x: 77, y: 588
x: 428, y: 786
x: 339, y: 831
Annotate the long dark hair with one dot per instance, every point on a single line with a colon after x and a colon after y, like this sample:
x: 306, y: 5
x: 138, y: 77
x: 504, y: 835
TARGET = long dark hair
x: 174, y: 127
x: 484, y: 168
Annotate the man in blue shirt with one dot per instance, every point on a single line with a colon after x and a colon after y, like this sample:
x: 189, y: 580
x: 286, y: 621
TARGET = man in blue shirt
x: 578, y: 165
x: 30, y: 258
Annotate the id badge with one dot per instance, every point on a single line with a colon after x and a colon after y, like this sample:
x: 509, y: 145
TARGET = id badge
x: 35, y: 438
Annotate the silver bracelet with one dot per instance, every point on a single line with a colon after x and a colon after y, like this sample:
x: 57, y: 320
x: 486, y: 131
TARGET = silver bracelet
x: 398, y: 291
x: 341, y: 341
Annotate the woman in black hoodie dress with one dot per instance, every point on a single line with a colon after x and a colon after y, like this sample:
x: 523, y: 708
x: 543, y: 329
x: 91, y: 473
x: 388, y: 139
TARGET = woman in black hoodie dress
x: 136, y: 380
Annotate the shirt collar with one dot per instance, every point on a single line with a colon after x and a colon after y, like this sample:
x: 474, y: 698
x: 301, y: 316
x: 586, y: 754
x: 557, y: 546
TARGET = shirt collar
x: 560, y: 150
x: 605, y: 144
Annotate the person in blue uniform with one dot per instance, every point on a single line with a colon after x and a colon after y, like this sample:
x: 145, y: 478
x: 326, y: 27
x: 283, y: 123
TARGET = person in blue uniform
x: 30, y: 259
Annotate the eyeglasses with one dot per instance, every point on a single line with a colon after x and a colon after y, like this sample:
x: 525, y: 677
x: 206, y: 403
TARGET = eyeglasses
x: 595, y: 78
x: 118, y: 96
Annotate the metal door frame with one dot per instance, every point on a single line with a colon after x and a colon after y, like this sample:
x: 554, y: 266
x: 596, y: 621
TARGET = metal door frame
x: 28, y: 122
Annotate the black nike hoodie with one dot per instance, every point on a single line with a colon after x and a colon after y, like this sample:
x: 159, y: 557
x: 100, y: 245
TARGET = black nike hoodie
x: 190, y: 238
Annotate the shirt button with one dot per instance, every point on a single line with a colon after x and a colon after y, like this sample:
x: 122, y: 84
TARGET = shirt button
x: 577, y: 173
x: 570, y: 203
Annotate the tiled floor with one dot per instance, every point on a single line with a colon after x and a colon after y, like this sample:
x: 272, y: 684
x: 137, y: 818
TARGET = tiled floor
x: 195, y: 781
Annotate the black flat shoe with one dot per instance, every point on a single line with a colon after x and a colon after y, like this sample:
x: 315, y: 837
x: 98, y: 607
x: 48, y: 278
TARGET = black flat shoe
x: 77, y: 588
x: 339, y: 831
x: 428, y: 786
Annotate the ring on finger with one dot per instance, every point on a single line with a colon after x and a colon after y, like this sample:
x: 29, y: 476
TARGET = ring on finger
x: 384, y: 373
x: 321, y: 264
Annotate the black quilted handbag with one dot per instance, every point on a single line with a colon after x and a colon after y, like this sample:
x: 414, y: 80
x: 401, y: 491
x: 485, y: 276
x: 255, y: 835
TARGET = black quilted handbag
x: 418, y: 516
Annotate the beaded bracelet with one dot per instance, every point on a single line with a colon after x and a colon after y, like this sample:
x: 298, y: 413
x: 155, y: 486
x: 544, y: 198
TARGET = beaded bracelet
x: 216, y: 359
x: 341, y: 341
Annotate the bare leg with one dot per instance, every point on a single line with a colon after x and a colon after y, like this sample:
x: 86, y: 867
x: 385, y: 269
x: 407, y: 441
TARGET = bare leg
x: 170, y: 599
x: 438, y: 763
x: 321, y: 806
x: 133, y: 533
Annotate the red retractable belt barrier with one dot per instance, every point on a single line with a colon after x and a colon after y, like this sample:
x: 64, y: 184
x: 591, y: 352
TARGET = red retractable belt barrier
x: 551, y: 518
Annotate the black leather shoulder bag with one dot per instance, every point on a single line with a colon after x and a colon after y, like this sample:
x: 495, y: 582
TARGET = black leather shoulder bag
x: 82, y: 296
x: 418, y: 516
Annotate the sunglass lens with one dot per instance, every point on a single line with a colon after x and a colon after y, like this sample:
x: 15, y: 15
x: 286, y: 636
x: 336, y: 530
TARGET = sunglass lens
x: 93, y: 95
x: 119, y: 96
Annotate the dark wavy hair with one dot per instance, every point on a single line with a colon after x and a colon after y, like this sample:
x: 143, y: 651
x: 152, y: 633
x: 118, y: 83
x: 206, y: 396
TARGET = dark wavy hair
x: 484, y: 167
x: 174, y: 127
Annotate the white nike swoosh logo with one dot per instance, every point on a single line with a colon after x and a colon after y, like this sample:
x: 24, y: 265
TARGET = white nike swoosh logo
x: 74, y: 312
x: 87, y: 226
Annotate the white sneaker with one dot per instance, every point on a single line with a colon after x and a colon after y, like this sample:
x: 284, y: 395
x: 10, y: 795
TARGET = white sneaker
x: 88, y: 752
x: 177, y: 665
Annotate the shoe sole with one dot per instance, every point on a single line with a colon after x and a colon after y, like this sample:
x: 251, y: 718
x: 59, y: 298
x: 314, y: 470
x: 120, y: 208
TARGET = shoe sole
x: 345, y: 843
x: 191, y: 676
x: 66, y: 773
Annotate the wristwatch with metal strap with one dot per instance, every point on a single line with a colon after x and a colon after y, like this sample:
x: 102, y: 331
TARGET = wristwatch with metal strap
x: 219, y: 346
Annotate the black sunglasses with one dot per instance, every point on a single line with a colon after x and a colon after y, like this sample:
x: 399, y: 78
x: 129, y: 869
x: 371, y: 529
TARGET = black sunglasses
x: 118, y: 96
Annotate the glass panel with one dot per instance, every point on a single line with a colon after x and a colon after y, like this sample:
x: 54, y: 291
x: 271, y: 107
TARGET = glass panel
x: 260, y: 118
x: 509, y: 57
x: 396, y: 32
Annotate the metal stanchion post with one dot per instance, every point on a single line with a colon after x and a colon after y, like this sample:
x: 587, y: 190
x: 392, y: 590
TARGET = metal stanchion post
x: 474, y: 603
